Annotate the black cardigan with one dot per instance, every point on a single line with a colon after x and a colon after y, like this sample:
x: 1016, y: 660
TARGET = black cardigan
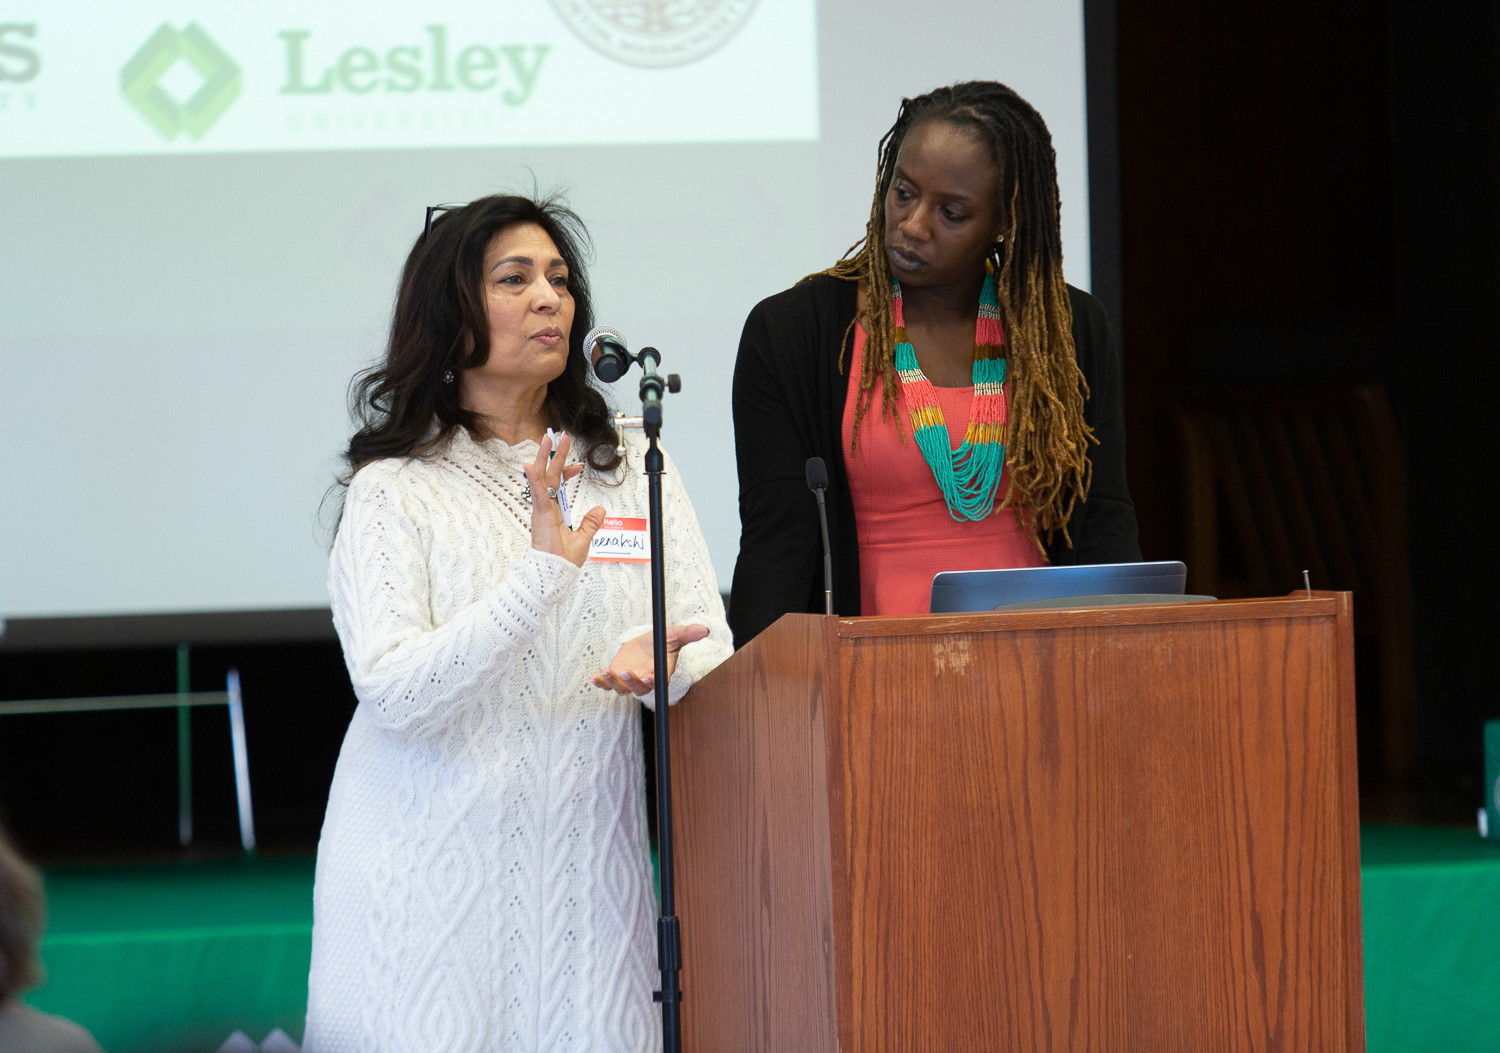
x: 789, y: 405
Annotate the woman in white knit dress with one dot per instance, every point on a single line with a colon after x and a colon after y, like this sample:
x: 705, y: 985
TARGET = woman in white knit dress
x: 483, y: 879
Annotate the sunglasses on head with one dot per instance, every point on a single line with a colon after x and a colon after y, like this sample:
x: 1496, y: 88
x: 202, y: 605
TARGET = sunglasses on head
x: 427, y: 230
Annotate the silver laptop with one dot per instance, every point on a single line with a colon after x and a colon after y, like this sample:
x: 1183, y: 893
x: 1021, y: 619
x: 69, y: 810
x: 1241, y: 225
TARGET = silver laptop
x: 962, y: 591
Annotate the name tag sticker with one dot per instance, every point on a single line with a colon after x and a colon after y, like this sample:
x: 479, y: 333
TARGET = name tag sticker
x: 621, y: 541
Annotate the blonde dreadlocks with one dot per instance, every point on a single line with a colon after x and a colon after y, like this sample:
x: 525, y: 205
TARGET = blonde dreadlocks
x: 1047, y: 440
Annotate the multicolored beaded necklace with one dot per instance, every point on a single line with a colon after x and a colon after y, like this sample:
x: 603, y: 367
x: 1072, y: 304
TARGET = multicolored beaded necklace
x: 968, y: 475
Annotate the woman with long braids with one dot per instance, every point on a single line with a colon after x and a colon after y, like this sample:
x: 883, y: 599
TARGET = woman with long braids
x: 483, y: 880
x: 966, y: 400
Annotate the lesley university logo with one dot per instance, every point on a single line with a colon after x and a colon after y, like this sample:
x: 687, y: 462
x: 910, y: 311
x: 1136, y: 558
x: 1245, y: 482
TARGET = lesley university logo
x: 141, y: 81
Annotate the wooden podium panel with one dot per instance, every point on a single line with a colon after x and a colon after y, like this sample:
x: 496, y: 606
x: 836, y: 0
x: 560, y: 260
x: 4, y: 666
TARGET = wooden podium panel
x: 1112, y: 829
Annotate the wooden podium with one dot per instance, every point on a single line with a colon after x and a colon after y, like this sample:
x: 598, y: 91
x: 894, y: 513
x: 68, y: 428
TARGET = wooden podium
x: 1127, y: 828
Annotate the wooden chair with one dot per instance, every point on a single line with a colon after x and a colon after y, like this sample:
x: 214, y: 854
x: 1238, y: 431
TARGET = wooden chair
x: 1309, y: 478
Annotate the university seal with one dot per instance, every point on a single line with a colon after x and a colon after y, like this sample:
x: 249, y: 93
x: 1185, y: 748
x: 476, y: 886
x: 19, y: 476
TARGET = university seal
x: 655, y: 33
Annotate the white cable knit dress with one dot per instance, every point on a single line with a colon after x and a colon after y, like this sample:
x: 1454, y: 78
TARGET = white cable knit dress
x: 483, y: 877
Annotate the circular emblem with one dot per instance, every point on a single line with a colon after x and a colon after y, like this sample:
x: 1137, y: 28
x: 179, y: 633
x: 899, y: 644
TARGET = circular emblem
x: 654, y: 33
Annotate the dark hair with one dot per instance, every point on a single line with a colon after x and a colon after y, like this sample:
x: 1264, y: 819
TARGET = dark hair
x: 403, y: 405
x: 1047, y: 439
x: 22, y: 916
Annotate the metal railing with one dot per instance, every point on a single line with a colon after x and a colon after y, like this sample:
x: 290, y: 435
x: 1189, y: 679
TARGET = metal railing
x: 182, y: 701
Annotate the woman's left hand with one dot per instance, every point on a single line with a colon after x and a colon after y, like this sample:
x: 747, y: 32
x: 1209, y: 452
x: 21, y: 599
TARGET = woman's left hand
x: 632, y: 671
x: 546, y: 475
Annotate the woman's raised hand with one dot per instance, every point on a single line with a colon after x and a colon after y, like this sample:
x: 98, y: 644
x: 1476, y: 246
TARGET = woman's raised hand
x: 632, y: 672
x: 547, y: 530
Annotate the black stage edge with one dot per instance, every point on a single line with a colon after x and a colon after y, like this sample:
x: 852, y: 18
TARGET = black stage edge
x: 158, y: 630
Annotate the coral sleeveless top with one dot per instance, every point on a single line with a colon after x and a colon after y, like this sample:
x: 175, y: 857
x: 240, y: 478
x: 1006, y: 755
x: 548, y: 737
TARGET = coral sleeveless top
x: 906, y: 534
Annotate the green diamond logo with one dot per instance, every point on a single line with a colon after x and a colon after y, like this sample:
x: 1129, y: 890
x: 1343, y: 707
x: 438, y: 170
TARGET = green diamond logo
x: 140, y: 81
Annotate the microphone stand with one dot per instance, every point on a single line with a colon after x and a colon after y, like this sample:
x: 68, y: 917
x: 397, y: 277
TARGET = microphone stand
x: 668, y: 934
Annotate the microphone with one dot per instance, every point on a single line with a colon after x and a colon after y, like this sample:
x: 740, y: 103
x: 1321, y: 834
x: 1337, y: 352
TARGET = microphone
x: 651, y: 387
x: 817, y: 482
x: 613, y: 354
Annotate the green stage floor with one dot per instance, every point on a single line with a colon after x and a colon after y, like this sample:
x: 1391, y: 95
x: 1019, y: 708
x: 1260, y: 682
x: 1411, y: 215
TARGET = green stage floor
x: 177, y: 956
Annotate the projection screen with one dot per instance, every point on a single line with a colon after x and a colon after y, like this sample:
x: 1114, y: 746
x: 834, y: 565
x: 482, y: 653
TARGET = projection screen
x: 205, y: 205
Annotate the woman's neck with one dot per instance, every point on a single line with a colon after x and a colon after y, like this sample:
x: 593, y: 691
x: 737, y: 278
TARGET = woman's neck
x: 943, y: 304
x: 508, y: 413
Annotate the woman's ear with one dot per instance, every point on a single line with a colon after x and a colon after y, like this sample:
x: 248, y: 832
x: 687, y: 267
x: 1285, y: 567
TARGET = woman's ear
x: 470, y: 359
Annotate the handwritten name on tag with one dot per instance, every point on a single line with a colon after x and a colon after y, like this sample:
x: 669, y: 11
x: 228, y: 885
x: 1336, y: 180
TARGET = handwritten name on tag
x: 621, y: 541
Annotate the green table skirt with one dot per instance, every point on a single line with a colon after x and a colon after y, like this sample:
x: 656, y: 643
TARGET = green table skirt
x: 176, y: 957
x: 159, y: 959
x: 1432, y: 940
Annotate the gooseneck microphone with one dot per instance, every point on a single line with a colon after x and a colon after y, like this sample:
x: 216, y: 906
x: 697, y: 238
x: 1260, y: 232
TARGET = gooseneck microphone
x: 614, y: 354
x: 817, y: 482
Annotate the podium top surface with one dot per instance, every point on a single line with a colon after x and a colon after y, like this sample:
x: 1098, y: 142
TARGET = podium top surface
x: 1299, y: 604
